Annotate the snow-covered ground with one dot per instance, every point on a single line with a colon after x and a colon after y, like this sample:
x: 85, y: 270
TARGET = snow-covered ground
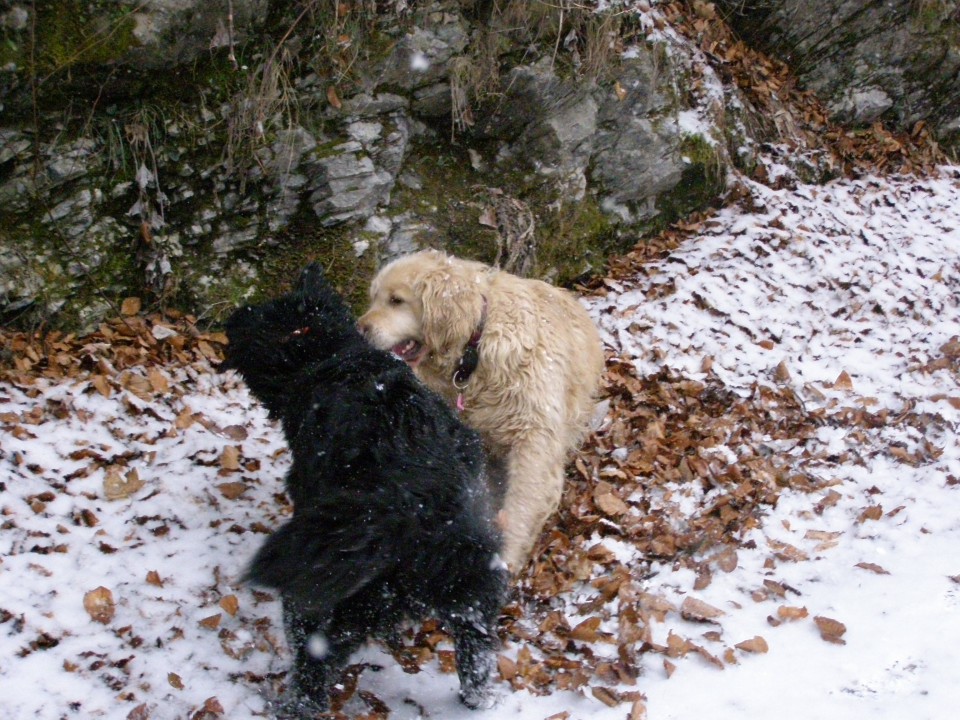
x: 129, y: 504
x: 863, y: 278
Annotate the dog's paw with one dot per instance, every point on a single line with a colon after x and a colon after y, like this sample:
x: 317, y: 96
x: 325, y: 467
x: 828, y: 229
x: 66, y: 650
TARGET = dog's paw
x: 479, y: 698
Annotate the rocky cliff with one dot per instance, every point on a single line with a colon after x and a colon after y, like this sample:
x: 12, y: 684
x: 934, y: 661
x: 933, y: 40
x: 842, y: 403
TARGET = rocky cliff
x: 195, y: 152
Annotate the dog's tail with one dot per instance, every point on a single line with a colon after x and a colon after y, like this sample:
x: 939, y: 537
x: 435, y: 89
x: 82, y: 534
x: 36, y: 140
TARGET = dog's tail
x: 324, y: 555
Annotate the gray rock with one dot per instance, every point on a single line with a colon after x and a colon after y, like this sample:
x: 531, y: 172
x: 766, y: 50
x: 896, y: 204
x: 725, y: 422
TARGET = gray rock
x: 422, y: 57
x: 229, y: 241
x: 862, y: 105
x: 364, y: 105
x: 16, y: 18
x: 627, y: 150
x: 896, y: 60
x: 78, y: 203
x: 365, y: 132
x: 13, y: 144
x: 172, y: 32
x: 216, y: 198
x: 20, y: 281
x: 405, y: 236
x: 358, y: 176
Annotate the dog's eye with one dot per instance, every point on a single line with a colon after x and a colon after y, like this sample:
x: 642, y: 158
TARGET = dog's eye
x: 396, y: 300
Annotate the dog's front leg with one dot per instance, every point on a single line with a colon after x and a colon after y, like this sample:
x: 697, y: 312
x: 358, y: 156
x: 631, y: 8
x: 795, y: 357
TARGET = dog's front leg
x: 534, y: 488
x: 319, y: 659
x: 475, y: 644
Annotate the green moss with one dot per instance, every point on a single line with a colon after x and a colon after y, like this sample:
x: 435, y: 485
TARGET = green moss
x: 305, y: 241
x: 572, y: 237
x: 63, y: 297
x: 934, y: 16
x: 575, y: 239
x: 701, y: 182
x: 70, y: 32
x: 116, y: 278
x: 445, y: 197
x: 11, y: 49
x: 215, y: 285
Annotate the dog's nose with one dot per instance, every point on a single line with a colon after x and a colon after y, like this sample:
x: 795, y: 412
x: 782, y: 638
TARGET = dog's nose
x: 363, y: 327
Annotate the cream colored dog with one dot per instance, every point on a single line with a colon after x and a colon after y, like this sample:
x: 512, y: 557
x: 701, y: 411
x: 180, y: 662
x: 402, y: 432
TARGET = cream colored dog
x: 520, y: 358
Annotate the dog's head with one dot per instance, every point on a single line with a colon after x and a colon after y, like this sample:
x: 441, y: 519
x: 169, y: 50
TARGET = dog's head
x: 425, y: 305
x: 271, y: 342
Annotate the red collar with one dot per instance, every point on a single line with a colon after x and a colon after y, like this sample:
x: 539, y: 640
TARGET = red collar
x: 471, y: 356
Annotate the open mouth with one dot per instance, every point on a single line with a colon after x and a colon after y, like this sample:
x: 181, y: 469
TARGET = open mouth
x: 410, y: 351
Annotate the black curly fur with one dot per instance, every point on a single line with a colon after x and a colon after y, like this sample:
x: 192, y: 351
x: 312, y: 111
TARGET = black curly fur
x: 392, y: 516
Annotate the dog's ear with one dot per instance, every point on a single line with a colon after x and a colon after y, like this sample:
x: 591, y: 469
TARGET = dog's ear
x: 453, y: 306
x: 312, y: 282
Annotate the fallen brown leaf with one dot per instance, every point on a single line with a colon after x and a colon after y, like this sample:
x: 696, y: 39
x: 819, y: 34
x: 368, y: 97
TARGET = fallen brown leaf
x: 447, y: 661
x: 232, y: 490
x: 607, y: 696
x: 507, y: 668
x: 831, y: 630
x: 99, y: 605
x: 781, y: 373
x: 211, y: 622
x: 130, y: 306
x: 755, y: 644
x: 821, y: 535
x: 102, y: 385
x: 140, y: 712
x: 843, y: 381
x: 211, y: 709
x: 727, y: 560
x: 230, y: 458
x: 827, y: 501
x: 677, y: 645
x: 586, y: 631
x: 607, y: 502
x: 158, y: 381
x: 230, y: 604
x: 237, y: 433
x: 333, y: 98
x: 699, y: 611
x: 119, y: 487
x: 786, y: 612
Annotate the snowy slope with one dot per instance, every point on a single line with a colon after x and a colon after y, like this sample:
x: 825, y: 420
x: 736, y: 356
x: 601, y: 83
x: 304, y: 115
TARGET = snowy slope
x: 845, y: 295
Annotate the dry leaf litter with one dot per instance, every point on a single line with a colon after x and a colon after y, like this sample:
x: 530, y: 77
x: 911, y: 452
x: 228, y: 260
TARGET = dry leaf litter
x: 773, y: 480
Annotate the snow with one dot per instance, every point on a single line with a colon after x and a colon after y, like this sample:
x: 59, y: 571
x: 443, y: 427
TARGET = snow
x: 859, y: 277
x: 419, y: 62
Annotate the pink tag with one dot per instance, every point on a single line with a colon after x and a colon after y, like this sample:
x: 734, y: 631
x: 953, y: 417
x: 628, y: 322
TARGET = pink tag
x: 459, y: 402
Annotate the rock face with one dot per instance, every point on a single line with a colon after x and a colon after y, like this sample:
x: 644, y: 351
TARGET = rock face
x: 896, y: 61
x: 148, y: 33
x: 169, y: 150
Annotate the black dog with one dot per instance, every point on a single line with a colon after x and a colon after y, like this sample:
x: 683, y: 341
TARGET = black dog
x: 392, y: 517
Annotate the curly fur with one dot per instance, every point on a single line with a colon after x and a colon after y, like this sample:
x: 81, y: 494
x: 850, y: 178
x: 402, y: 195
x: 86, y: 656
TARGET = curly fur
x: 392, y: 517
x: 532, y: 394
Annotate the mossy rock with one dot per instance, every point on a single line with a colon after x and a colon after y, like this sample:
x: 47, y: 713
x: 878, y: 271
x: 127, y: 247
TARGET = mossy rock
x: 453, y: 200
